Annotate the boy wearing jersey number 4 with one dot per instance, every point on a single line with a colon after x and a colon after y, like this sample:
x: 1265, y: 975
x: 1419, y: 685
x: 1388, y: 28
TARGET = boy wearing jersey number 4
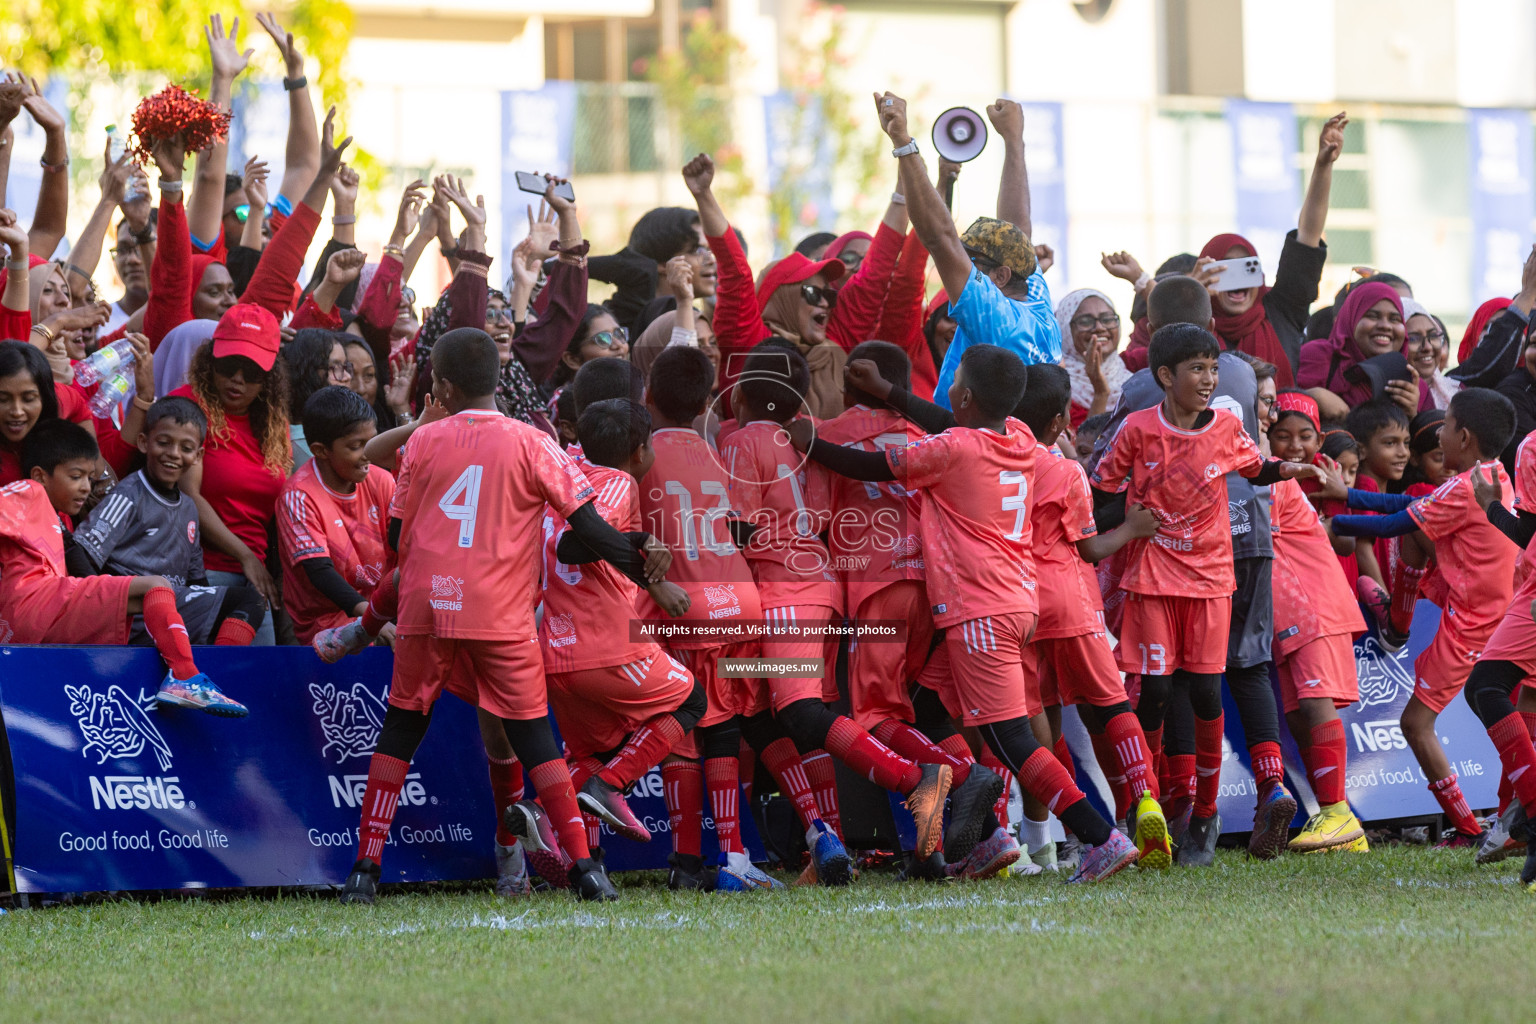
x: 468, y: 504
x: 974, y: 481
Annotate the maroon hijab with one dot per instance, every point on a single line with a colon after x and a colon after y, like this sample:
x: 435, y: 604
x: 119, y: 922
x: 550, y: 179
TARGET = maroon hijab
x: 1250, y: 331
x: 1325, y: 361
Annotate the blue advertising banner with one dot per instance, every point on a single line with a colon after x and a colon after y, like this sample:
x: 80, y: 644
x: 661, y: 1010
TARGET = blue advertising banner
x: 801, y: 152
x: 1048, y: 184
x: 1499, y: 148
x: 537, y: 135
x: 258, y: 126
x: 114, y: 794
x: 1265, y: 180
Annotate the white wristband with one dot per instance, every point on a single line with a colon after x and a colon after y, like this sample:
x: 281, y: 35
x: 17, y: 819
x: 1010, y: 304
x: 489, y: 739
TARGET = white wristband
x: 898, y: 199
x: 1142, y: 281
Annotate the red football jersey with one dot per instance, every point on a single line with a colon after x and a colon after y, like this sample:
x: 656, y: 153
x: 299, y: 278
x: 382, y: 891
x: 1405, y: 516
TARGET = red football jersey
x: 976, y: 492
x: 314, y: 521
x: 1180, y: 475
x: 787, y: 498
x: 1475, y: 560
x: 1063, y: 515
x: 470, y: 496
x: 686, y: 503
x: 587, y: 608
x: 876, y: 534
x: 31, y: 536
x: 1311, y: 594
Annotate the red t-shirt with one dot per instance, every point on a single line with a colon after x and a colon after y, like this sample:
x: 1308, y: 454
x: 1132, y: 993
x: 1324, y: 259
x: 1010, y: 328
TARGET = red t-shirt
x: 314, y: 521
x: 470, y: 495
x: 976, y: 497
x: 238, y: 486
x: 1312, y: 597
x: 587, y: 608
x: 1475, y: 560
x: 1063, y: 515
x: 1180, y: 475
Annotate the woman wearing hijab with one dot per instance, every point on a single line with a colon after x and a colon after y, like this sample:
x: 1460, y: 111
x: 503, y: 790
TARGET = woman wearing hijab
x: 1269, y: 322
x: 1369, y: 324
x: 1424, y: 347
x: 1090, y: 331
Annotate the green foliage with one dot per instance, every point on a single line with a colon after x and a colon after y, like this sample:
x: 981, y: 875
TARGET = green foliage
x: 692, y: 84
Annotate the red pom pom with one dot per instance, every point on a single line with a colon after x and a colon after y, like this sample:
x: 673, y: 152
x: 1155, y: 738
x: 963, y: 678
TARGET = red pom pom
x: 173, y: 110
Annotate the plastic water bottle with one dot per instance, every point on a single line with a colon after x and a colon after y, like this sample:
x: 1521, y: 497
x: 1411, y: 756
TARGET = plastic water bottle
x: 117, y: 144
x: 112, y: 393
x: 104, y: 362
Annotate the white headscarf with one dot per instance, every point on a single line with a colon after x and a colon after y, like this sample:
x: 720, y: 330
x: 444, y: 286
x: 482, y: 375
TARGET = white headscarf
x: 1115, y: 371
x: 174, y: 356
x: 1441, y: 387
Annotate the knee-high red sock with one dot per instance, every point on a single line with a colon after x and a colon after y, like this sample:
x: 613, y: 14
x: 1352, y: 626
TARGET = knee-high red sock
x: 990, y: 760
x: 594, y: 828
x: 683, y: 784
x: 1448, y: 792
x: 1043, y: 778
x: 746, y: 768
x: 1109, y: 764
x: 383, y: 605
x: 724, y: 785
x: 1207, y: 765
x: 1268, y: 769
x: 871, y: 758
x: 914, y: 746
x: 234, y: 633
x: 822, y: 775
x: 1180, y: 788
x: 582, y: 769
x: 1133, y: 751
x: 1326, y: 759
x: 552, y: 781
x: 1405, y: 595
x: 1064, y: 755
x: 385, y: 777
x: 783, y: 762
x: 506, y: 789
x: 169, y: 633
x: 646, y: 747
x: 1518, y: 756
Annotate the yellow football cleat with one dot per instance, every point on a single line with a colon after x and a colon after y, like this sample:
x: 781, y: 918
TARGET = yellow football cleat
x: 1330, y: 828
x: 1358, y: 846
x: 1152, y: 834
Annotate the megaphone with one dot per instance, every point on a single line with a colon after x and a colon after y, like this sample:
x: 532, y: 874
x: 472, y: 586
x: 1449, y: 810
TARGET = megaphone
x: 959, y: 134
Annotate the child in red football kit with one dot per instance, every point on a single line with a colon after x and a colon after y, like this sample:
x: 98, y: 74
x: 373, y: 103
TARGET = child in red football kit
x: 1390, y: 571
x: 1173, y: 458
x: 974, y: 481
x: 785, y: 505
x: 41, y: 604
x: 1476, y: 561
x: 465, y: 520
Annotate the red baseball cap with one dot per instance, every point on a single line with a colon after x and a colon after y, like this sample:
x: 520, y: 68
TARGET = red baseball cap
x: 248, y: 330
x: 793, y: 269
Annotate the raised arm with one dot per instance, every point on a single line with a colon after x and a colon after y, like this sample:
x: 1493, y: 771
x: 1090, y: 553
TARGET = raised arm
x: 301, y: 159
x: 862, y: 296
x: 205, y: 210
x: 16, y: 301
x: 11, y: 95
x: 1007, y: 119
x: 737, y: 322
x: 1314, y: 208
x: 52, y: 214
x: 170, y: 272
x: 539, y: 345
x: 930, y: 217
x: 467, y: 294
x: 85, y: 254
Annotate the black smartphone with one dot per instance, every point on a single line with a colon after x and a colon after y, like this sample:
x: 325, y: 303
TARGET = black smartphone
x: 536, y: 184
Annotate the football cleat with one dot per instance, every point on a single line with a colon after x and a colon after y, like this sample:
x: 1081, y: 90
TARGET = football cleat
x: 591, y: 882
x: 931, y: 870
x: 1272, y: 823
x: 599, y: 798
x: 969, y: 804
x: 808, y: 874
x: 1099, y: 862
x: 988, y: 857
x: 1178, y: 818
x: 362, y: 885
x: 1456, y: 839
x: 1528, y: 869
x: 926, y: 803
x: 1152, y: 845
x: 1361, y: 845
x: 1199, y: 847
x: 740, y: 875
x: 1330, y: 828
x: 1071, y: 854
x: 334, y: 644
x: 512, y: 871
x: 200, y: 693
x: 686, y: 873
x: 527, y: 821
x: 829, y: 860
x: 1498, y: 839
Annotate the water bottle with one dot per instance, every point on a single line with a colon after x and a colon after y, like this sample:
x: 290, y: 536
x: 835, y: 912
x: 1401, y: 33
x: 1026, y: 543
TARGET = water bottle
x: 112, y: 393
x: 104, y: 362
x: 117, y: 143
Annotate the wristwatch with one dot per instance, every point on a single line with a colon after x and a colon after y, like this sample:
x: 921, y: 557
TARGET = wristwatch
x: 907, y: 150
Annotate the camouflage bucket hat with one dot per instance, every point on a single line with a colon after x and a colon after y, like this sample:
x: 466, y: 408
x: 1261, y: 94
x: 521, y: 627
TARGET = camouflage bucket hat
x: 1002, y: 243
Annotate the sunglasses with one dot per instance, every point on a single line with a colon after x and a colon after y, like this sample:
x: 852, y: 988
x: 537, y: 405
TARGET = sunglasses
x: 815, y: 296
x: 243, y: 211
x: 230, y: 366
x: 610, y: 339
x: 1087, y: 323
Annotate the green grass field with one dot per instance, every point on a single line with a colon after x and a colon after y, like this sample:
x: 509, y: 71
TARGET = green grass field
x: 1400, y: 934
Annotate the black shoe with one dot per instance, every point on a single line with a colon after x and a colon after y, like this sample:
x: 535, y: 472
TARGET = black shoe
x: 362, y: 884
x: 591, y: 882
x: 1199, y: 847
x: 969, y: 803
x: 687, y: 874
x: 1528, y: 872
x: 930, y: 870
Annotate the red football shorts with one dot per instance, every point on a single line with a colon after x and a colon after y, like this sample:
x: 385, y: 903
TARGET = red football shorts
x: 1161, y: 634
x: 505, y: 677
x: 1324, y: 667
x: 785, y: 691
x: 1074, y: 670
x: 986, y: 662
x: 67, y: 610
x: 727, y: 697
x: 880, y: 673
x: 1514, y: 639
x: 1442, y: 670
x: 597, y: 708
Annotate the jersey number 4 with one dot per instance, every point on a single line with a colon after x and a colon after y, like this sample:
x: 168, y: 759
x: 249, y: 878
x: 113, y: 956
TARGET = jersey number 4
x: 462, y: 503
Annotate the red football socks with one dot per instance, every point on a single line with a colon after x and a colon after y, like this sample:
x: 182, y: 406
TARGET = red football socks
x: 169, y: 633
x: 1064, y: 755
x: 1405, y: 595
x: 506, y: 790
x: 646, y: 747
x: 1207, y: 765
x: 683, y: 784
x: 383, y: 605
x: 724, y: 787
x: 990, y: 760
x: 385, y: 777
x: 1109, y: 764
x: 822, y: 775
x: 1326, y: 759
x: 1267, y: 767
x: 783, y: 762
x: 914, y: 746
x: 1448, y: 793
x: 1043, y: 778
x: 582, y: 769
x: 552, y: 781
x: 1518, y: 755
x: 871, y: 758
x: 1133, y: 752
x: 1181, y: 782
x: 234, y: 633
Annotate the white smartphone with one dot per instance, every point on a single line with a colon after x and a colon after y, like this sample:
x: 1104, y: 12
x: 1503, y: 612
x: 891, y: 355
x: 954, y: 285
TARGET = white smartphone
x: 1243, y: 272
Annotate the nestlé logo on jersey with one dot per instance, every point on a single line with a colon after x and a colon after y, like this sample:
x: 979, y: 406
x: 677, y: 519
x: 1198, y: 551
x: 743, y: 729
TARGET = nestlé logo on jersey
x: 447, y: 593
x: 118, y: 727
x: 350, y: 720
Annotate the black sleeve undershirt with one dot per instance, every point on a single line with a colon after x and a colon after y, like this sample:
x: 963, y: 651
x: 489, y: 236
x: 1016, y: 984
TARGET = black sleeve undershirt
x: 609, y: 544
x: 324, y: 577
x: 853, y: 463
x: 933, y: 419
x: 571, y: 551
x: 1519, y: 527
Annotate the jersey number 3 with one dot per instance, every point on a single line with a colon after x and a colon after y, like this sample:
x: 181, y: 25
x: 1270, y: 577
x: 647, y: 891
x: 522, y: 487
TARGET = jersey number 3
x: 462, y: 503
